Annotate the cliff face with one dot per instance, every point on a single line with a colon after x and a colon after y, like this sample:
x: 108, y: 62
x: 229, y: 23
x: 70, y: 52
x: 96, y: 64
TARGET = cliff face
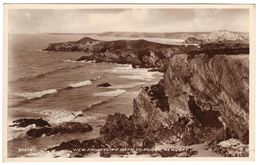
x: 210, y: 91
x: 151, y: 108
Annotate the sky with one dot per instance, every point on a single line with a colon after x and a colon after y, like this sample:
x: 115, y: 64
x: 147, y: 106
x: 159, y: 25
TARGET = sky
x: 25, y: 21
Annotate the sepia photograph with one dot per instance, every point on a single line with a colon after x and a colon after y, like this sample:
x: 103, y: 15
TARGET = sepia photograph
x: 113, y: 81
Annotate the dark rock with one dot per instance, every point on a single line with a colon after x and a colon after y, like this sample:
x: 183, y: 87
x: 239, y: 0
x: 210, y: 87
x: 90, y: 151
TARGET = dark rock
x: 35, y: 133
x: 63, y: 128
x: 104, y: 85
x: 117, y: 124
x: 84, y: 147
x: 70, y: 145
x: 94, y: 143
x: 206, y: 118
x: 189, y: 139
x: 26, y: 122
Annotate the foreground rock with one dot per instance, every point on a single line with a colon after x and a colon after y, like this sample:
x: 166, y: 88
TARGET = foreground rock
x: 68, y: 127
x: 25, y: 122
x: 231, y: 148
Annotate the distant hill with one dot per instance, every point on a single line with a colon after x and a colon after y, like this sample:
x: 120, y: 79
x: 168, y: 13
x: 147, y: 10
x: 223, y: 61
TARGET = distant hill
x: 189, y: 37
x: 224, y: 36
x: 168, y: 35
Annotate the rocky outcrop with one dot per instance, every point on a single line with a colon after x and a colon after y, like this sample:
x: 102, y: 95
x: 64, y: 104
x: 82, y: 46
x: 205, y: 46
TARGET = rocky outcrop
x: 151, y: 108
x: 104, y: 85
x: 68, y: 127
x: 120, y: 136
x: 26, y: 122
x: 139, y: 53
x: 217, y: 84
x: 84, y: 44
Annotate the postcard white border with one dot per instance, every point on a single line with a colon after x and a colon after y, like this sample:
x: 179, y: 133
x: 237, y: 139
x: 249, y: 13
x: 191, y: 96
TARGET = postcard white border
x: 251, y: 7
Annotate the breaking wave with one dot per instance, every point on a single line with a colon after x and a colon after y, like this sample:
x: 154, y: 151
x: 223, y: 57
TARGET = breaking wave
x: 126, y: 71
x: 30, y: 96
x: 127, y: 86
x: 42, y: 75
x: 34, y: 95
x: 83, y: 61
x: 111, y: 93
x: 80, y: 84
x: 95, y: 104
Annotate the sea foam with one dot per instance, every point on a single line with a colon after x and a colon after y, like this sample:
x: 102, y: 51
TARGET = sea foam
x: 33, y: 95
x: 80, y: 84
x: 111, y: 93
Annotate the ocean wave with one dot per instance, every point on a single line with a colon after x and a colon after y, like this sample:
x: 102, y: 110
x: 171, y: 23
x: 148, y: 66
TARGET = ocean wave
x: 80, y: 84
x: 128, y: 72
x: 83, y: 61
x: 60, y: 116
x: 111, y: 93
x: 33, y: 95
x: 42, y: 75
x: 126, y: 86
x: 147, y: 77
x: 95, y: 104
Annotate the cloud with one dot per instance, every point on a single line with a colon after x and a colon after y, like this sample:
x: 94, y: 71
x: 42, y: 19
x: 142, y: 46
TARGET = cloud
x: 140, y: 20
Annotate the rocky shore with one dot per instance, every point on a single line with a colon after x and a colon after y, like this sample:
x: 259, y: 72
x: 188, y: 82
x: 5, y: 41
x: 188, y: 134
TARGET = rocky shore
x: 203, y: 98
x: 141, y: 53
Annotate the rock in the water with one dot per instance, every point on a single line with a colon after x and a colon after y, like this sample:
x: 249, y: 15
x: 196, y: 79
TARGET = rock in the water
x: 104, y: 85
x: 63, y: 128
x: 25, y: 122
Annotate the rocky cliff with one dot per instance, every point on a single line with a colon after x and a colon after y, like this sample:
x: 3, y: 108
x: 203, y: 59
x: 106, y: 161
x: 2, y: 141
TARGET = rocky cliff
x: 217, y: 84
x: 209, y: 91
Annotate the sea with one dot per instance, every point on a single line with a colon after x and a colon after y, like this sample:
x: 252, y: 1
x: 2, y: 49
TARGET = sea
x: 55, y: 87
